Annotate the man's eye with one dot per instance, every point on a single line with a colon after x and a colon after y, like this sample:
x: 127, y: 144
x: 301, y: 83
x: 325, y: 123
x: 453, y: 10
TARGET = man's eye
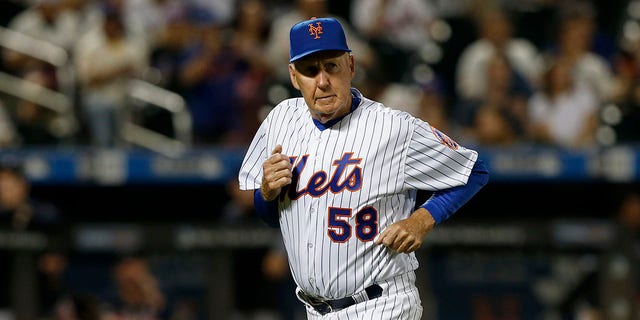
x: 331, y: 67
x: 310, y: 70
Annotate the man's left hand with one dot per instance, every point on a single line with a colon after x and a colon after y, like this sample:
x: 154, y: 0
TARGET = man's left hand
x: 406, y: 236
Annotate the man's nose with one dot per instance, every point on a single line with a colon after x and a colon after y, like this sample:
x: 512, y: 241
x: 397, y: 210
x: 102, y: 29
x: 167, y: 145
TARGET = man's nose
x: 323, y: 79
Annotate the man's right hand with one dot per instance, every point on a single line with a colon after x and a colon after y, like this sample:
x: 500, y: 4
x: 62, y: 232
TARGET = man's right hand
x: 277, y: 173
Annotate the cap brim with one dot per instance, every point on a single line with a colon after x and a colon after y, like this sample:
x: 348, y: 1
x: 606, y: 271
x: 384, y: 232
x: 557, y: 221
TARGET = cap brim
x: 310, y: 52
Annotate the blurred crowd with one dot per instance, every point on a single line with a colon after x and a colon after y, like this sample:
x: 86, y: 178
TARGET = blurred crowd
x: 489, y: 72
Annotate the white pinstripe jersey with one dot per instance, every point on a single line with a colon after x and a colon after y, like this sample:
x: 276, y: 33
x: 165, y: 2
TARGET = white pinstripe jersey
x: 351, y: 181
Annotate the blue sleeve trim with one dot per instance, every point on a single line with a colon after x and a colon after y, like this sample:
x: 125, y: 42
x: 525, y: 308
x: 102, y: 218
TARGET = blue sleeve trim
x: 443, y: 204
x: 267, y: 211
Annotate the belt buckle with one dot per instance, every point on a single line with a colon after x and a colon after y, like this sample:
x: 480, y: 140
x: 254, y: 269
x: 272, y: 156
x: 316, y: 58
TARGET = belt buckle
x: 322, y: 306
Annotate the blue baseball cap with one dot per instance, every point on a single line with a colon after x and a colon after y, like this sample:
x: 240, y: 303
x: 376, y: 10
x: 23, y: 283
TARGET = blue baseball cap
x: 315, y: 35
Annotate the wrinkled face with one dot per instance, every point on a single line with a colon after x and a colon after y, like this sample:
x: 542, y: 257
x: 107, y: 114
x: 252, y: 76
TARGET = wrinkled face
x: 324, y: 79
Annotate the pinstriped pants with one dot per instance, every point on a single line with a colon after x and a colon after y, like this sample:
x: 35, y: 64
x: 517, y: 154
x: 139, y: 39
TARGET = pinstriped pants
x: 399, y: 301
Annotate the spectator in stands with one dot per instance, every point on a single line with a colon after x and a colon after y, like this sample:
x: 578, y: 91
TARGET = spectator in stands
x: 627, y: 130
x: 576, y: 31
x: 49, y: 22
x: 616, y: 280
x: 275, y: 267
x: 105, y: 60
x: 626, y: 245
x: 138, y: 294
x: 36, y: 125
x: 45, y: 20
x: 627, y: 69
x: 240, y: 209
x: 500, y: 116
x: 495, y: 33
x: 52, y: 287
x: 133, y: 25
x: 221, y: 11
x: 422, y: 100
x: 264, y: 270
x: 151, y: 17
x: 20, y: 211
x: 278, y: 45
x: 169, y: 36
x: 248, y: 262
x: 79, y: 307
x: 88, y: 14
x: 395, y: 29
x: 169, y: 51
x: 433, y: 104
x: 250, y: 31
x: 379, y: 85
x: 207, y: 76
x: 564, y: 111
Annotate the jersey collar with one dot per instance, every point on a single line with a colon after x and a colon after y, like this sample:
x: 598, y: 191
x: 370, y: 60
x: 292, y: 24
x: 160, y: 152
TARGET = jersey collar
x: 355, y: 102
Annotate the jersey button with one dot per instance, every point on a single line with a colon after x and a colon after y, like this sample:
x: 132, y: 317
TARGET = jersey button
x: 310, y: 245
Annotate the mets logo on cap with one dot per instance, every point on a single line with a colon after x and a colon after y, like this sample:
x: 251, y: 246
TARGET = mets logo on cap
x: 315, y: 35
x: 316, y: 30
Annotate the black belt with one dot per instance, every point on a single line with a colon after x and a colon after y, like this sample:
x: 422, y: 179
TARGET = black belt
x: 325, y: 306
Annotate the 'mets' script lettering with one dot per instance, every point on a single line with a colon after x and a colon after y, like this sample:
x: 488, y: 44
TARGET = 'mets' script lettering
x: 320, y: 183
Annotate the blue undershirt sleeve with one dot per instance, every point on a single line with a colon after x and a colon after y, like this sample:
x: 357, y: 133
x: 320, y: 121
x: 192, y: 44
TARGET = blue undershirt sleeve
x: 267, y: 211
x: 444, y: 203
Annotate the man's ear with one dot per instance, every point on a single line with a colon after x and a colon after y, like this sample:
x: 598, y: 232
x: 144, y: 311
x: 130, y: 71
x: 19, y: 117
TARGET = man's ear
x: 352, y: 64
x: 292, y: 76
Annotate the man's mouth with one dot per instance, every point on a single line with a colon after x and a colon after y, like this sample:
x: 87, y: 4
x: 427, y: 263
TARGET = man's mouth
x: 325, y: 99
